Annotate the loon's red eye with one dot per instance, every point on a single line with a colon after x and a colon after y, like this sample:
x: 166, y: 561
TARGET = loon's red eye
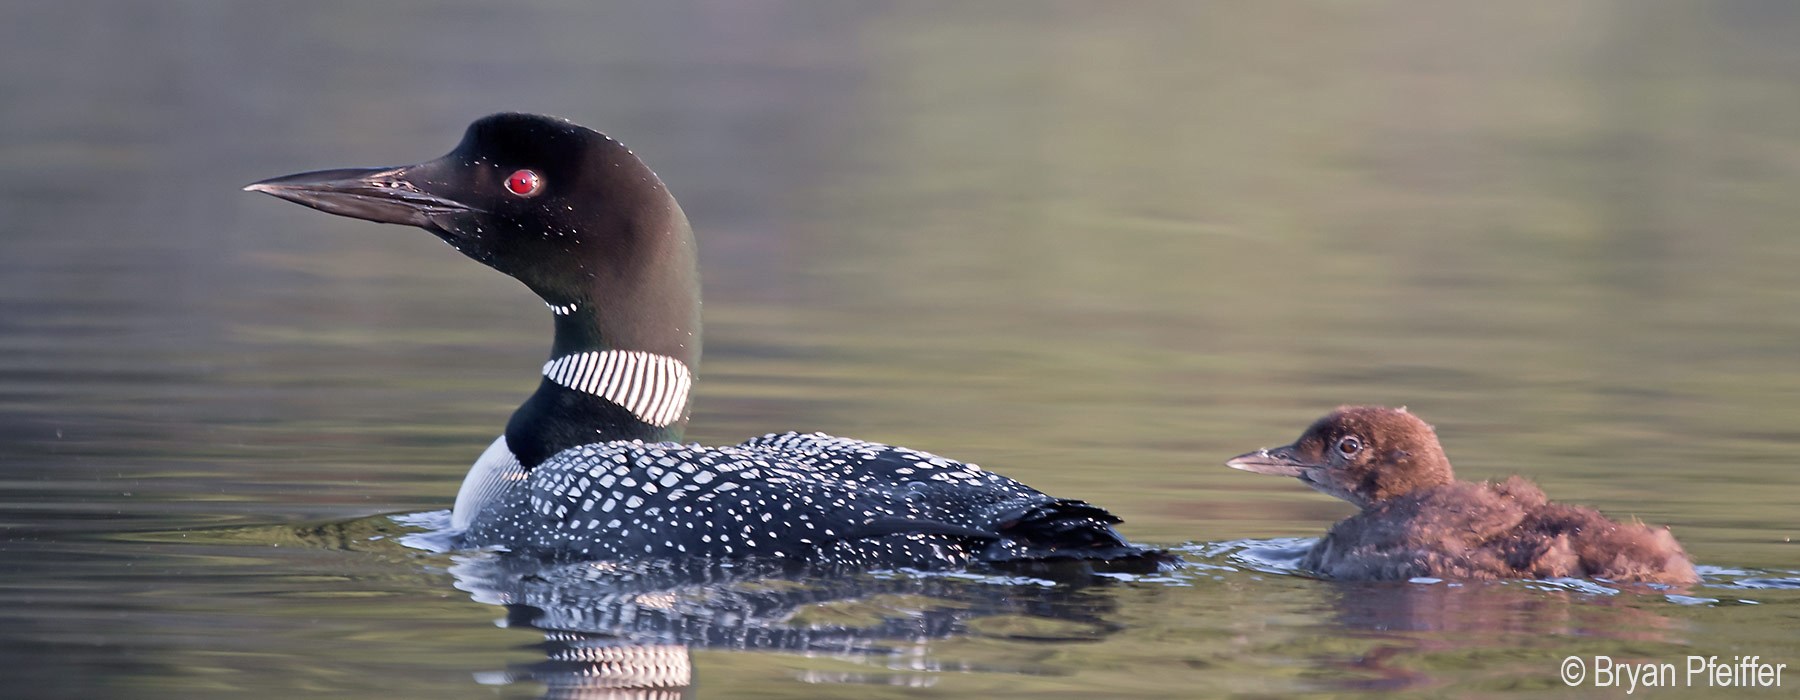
x: 1349, y: 445
x: 524, y: 183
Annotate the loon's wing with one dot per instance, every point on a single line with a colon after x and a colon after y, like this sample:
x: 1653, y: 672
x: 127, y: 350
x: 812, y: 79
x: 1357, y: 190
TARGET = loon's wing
x: 884, y: 526
x: 942, y: 496
x: 792, y: 496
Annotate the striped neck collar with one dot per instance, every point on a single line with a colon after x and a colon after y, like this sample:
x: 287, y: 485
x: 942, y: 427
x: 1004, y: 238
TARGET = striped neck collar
x: 652, y: 387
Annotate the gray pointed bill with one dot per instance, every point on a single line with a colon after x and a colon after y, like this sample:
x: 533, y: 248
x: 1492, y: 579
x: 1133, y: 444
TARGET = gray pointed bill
x: 1277, y: 462
x: 382, y: 195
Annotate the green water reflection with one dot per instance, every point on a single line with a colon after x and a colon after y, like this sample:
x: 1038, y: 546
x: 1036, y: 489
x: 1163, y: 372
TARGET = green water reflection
x: 1097, y: 248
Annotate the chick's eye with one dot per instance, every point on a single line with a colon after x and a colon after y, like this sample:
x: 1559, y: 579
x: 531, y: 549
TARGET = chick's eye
x: 524, y: 183
x: 1349, y: 445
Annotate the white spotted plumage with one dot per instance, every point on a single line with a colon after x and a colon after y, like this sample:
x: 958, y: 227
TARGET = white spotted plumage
x: 789, y: 495
x: 652, y: 387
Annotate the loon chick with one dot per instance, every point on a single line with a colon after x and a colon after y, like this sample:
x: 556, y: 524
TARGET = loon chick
x: 1418, y: 520
x: 588, y: 467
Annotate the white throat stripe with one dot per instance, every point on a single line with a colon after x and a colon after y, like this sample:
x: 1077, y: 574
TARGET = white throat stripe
x: 653, y: 387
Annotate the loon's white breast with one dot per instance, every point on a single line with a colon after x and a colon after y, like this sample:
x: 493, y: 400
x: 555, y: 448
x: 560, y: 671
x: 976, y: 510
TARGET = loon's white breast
x: 495, y: 471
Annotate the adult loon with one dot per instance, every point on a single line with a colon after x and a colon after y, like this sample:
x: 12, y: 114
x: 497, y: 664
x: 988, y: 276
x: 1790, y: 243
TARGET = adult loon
x: 1418, y: 520
x: 588, y: 467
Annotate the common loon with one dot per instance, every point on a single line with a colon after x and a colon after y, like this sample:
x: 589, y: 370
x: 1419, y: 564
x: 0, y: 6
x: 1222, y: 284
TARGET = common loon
x: 1418, y: 520
x: 589, y: 466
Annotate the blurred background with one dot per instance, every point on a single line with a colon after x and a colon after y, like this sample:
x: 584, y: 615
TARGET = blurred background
x: 1098, y: 247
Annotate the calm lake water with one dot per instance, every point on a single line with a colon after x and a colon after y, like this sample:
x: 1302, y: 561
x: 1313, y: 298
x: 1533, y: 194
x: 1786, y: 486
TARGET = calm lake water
x: 1096, y: 247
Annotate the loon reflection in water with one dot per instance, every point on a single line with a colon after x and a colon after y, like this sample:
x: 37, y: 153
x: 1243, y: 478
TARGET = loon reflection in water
x: 632, y: 625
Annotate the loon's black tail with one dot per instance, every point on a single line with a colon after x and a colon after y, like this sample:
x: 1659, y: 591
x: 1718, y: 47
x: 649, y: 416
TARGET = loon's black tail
x: 1058, y: 529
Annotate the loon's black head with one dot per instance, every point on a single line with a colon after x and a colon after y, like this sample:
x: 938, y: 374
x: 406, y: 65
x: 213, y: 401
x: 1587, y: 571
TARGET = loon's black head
x: 562, y: 208
x: 588, y: 227
x: 1362, y: 454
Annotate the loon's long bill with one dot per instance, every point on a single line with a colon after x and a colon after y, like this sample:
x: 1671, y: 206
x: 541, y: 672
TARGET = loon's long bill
x: 590, y: 467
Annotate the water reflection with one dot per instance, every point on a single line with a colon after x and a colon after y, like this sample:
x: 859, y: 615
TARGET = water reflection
x: 581, y: 665
x: 1092, y: 247
x: 1411, y: 621
x: 613, y: 625
x: 631, y: 629
x: 1421, y: 630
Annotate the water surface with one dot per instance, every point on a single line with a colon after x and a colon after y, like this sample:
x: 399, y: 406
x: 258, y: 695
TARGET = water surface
x: 1099, y: 250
